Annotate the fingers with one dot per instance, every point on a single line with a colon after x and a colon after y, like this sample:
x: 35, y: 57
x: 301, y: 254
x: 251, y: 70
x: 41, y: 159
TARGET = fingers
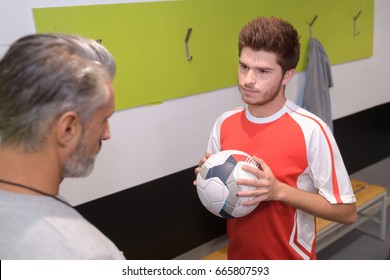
x: 262, y: 165
x: 256, y: 196
x: 253, y: 201
x: 204, y: 158
x: 201, y: 162
x: 197, y: 170
x: 262, y: 184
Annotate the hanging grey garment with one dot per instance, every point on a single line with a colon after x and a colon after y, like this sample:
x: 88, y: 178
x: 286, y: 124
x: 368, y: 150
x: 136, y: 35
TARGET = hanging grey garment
x: 316, y: 97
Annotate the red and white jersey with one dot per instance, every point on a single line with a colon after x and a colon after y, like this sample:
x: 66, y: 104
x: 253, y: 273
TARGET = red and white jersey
x: 302, y: 152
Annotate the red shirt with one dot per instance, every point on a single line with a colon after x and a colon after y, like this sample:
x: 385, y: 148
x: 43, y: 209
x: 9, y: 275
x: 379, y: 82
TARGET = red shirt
x: 301, y: 151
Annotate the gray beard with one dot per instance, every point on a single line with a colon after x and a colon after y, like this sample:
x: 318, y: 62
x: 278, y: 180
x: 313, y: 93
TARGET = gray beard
x: 76, y: 167
x: 79, y: 164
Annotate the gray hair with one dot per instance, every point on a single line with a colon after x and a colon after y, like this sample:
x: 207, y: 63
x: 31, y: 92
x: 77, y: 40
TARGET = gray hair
x: 44, y: 75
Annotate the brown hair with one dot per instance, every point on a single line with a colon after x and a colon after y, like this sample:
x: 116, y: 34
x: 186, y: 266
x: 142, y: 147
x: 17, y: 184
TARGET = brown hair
x: 272, y: 35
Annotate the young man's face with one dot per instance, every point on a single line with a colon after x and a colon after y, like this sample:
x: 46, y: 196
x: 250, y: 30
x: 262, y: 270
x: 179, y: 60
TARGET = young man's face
x: 260, y: 77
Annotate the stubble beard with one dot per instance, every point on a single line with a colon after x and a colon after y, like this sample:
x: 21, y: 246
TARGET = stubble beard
x: 266, y: 97
x: 79, y: 164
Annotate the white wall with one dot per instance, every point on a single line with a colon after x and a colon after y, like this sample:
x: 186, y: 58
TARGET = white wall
x: 149, y: 142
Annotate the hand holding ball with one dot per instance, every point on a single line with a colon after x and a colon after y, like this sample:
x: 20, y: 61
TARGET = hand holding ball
x: 217, y: 187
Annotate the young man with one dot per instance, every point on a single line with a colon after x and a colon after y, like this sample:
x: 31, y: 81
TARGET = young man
x: 301, y: 172
x: 56, y: 96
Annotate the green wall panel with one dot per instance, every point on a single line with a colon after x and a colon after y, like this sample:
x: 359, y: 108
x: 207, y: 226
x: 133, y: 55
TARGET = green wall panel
x: 147, y: 39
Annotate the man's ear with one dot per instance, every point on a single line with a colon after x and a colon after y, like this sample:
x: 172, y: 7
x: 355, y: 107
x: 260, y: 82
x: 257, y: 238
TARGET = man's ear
x: 68, y: 128
x: 288, y: 76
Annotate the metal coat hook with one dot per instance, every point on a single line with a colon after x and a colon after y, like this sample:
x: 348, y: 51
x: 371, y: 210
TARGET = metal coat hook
x: 354, y: 23
x: 311, y: 23
x: 189, y: 57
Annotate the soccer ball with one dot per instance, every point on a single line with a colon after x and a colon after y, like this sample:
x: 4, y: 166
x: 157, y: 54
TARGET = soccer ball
x: 216, y: 183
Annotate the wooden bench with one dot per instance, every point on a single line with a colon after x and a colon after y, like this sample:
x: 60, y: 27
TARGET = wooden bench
x: 369, y: 199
